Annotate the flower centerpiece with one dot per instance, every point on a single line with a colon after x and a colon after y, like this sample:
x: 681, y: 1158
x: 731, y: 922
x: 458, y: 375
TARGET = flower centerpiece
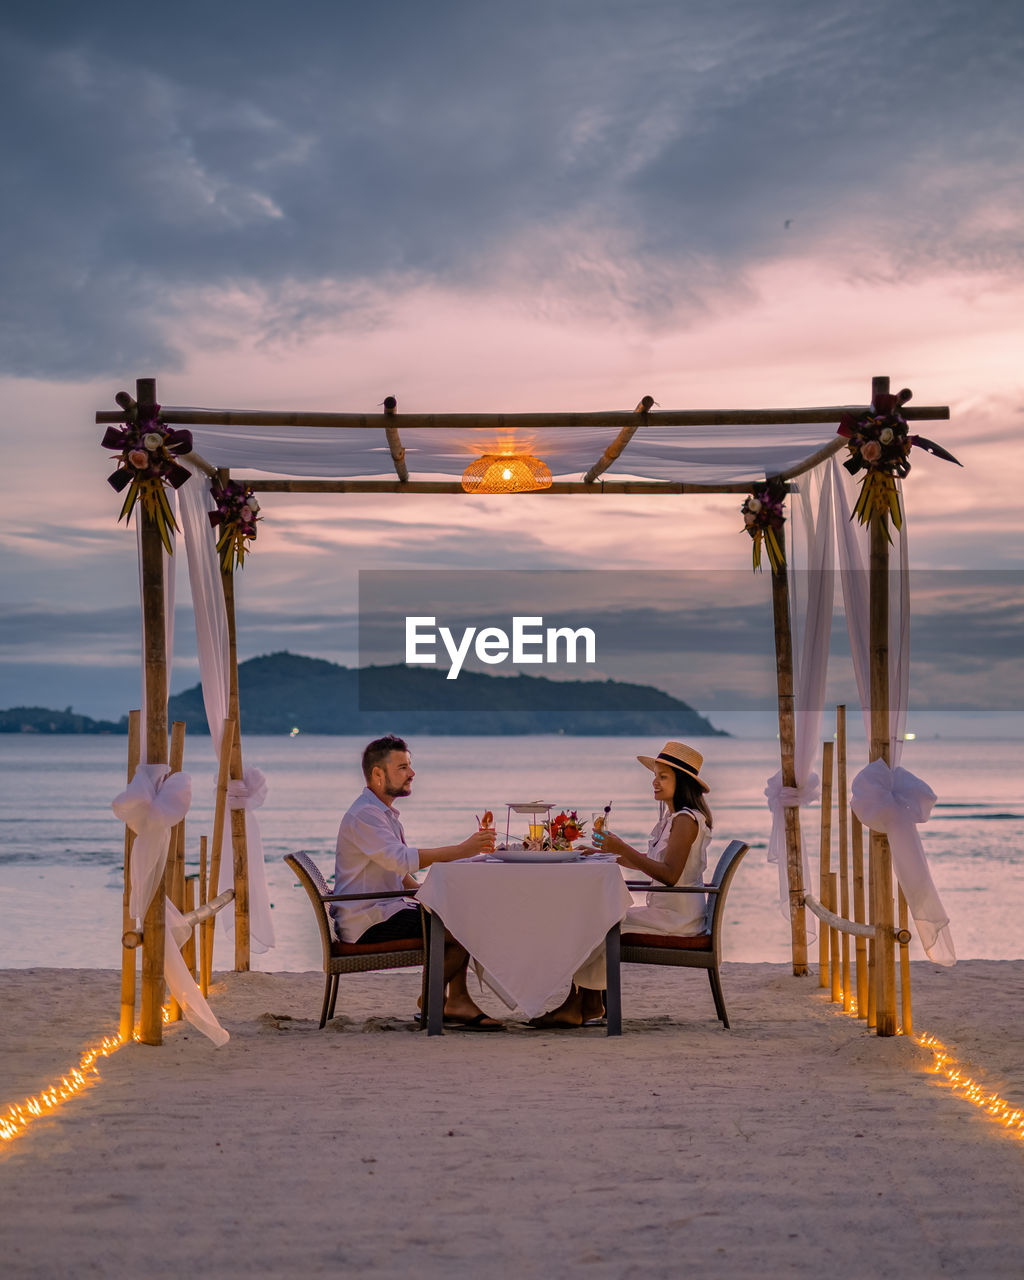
x: 146, y: 451
x: 879, y: 443
x: 563, y: 829
x: 236, y: 514
x: 763, y: 517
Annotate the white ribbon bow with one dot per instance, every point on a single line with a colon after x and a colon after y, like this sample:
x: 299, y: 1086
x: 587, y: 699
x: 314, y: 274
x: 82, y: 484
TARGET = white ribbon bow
x: 153, y: 802
x: 894, y: 802
x: 779, y: 799
x: 247, y: 793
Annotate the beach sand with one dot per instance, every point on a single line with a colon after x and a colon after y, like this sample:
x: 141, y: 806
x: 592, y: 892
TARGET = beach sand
x: 796, y: 1144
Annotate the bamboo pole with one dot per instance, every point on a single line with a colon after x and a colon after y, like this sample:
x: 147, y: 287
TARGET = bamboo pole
x: 835, y: 973
x: 881, y: 862
x: 859, y: 914
x: 188, y: 951
x: 843, y: 817
x: 905, y: 1009
x: 129, y: 963
x: 453, y: 488
x: 616, y: 447
x: 155, y: 661
x: 503, y: 422
x: 219, y: 810
x: 787, y: 748
x: 204, y: 933
x: 239, y: 850
x: 395, y: 441
x: 175, y: 847
x: 827, y: 946
x: 872, y: 1019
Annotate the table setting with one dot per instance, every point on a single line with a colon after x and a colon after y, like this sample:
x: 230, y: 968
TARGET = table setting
x: 529, y: 913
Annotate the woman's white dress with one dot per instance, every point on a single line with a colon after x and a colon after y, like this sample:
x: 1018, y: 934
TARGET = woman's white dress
x: 679, y: 914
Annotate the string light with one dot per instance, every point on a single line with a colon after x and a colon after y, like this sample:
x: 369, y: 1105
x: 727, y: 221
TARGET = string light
x: 17, y: 1118
x: 970, y: 1090
x: 964, y: 1086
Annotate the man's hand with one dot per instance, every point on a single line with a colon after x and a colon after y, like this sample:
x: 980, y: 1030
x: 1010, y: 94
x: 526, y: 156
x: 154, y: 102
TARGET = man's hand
x: 481, y: 841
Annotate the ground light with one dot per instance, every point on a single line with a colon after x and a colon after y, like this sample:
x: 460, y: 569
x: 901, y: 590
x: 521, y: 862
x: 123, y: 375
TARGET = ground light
x: 17, y: 1118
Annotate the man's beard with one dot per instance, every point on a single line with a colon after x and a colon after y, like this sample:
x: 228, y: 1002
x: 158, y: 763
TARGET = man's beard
x: 394, y: 792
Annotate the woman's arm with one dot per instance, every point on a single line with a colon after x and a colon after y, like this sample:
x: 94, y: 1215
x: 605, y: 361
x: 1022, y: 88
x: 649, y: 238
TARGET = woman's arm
x: 680, y: 842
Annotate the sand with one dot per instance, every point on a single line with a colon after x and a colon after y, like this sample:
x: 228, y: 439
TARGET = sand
x: 794, y: 1145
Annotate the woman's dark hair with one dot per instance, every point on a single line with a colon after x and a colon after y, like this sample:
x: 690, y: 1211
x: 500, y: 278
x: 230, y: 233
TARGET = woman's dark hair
x: 688, y: 795
x: 378, y: 751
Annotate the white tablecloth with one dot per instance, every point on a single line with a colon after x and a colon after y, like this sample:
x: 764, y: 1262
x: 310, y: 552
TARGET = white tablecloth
x: 529, y: 925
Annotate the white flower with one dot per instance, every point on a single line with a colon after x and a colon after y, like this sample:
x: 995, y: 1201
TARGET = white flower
x: 254, y: 506
x: 153, y: 440
x: 885, y: 435
x: 754, y: 505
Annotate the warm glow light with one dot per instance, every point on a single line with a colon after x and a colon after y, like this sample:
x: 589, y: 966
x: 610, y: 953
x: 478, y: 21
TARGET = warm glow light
x: 17, y: 1118
x: 964, y: 1087
x: 506, y: 473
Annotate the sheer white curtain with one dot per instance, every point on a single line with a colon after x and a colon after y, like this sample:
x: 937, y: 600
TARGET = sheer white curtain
x: 889, y: 799
x: 811, y: 577
x: 152, y: 804
x: 249, y: 791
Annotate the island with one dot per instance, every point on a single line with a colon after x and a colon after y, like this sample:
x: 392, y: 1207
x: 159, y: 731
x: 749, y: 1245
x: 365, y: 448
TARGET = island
x: 287, y: 693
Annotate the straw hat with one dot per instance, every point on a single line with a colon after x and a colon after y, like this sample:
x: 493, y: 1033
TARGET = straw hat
x: 679, y: 757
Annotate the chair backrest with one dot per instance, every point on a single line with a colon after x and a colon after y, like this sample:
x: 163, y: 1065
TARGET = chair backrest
x: 312, y: 881
x: 721, y: 880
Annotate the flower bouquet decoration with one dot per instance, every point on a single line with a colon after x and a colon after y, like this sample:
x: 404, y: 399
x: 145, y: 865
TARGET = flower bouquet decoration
x: 879, y: 443
x: 763, y: 517
x: 564, y: 828
x: 146, y: 451
x: 236, y: 515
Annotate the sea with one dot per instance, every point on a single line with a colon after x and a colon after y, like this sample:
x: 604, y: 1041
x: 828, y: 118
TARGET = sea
x: 61, y: 848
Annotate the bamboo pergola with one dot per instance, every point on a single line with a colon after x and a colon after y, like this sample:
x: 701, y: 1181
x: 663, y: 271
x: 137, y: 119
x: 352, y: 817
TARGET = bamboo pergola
x: 389, y: 426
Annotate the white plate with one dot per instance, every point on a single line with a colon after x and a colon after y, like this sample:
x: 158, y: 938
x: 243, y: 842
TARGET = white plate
x: 530, y: 855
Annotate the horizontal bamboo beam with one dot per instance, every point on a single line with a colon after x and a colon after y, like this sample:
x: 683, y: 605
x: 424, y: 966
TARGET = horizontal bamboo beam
x: 199, y: 462
x: 516, y: 421
x: 132, y: 938
x: 454, y: 487
x: 849, y: 926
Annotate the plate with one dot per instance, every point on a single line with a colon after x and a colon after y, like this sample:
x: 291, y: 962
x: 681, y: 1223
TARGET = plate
x: 531, y: 855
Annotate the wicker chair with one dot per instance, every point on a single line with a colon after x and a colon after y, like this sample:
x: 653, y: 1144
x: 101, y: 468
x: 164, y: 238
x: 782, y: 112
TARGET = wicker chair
x: 702, y: 951
x: 351, y: 957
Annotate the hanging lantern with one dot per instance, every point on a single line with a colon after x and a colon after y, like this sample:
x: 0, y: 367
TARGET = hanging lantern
x: 506, y: 473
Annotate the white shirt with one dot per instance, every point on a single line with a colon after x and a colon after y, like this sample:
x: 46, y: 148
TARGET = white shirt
x: 372, y: 857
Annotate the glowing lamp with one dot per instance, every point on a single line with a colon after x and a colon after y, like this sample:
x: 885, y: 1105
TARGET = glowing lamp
x: 506, y: 473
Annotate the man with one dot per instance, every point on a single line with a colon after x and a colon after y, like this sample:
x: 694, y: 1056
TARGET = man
x: 373, y: 857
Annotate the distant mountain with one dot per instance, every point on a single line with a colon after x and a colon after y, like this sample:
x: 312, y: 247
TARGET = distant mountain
x: 285, y: 691
x: 42, y: 720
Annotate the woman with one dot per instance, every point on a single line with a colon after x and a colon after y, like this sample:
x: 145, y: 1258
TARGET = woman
x: 676, y: 855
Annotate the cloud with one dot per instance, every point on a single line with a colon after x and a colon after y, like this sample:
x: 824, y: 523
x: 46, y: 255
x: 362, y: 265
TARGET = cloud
x: 302, y: 167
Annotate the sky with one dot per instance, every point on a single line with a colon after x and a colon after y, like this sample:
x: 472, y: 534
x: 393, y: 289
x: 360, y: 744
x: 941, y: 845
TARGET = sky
x: 560, y: 205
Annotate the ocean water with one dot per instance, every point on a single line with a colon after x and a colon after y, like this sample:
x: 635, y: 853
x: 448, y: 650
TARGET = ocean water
x: 61, y: 848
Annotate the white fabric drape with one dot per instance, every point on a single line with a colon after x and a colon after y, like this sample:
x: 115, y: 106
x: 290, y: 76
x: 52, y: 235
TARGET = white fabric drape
x: 895, y: 801
x: 890, y: 800
x: 214, y: 659
x: 152, y: 804
x: 207, y: 600
x: 811, y: 577
x: 248, y: 793
x: 701, y: 454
